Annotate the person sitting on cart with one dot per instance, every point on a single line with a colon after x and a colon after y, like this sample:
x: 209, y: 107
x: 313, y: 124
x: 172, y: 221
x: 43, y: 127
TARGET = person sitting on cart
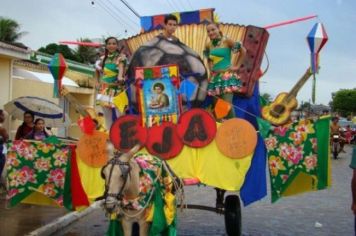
x: 38, y: 132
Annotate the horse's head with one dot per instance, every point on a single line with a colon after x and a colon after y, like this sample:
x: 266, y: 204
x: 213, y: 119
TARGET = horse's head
x: 118, y: 176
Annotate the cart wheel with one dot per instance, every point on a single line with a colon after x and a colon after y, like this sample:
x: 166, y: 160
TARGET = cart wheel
x: 233, y: 215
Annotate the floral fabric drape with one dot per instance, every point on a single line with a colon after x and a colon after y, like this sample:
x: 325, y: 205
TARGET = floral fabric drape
x: 36, y: 166
x: 295, y: 149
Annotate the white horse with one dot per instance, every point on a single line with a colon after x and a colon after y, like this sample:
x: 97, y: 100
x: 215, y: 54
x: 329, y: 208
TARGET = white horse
x: 125, y: 182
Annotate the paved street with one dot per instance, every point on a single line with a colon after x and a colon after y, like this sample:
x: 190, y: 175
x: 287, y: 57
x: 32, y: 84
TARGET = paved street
x: 330, y: 209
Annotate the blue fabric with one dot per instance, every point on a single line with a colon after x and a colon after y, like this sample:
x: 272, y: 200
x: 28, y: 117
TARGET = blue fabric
x: 187, y: 88
x: 146, y: 22
x: 255, y: 185
x: 190, y: 17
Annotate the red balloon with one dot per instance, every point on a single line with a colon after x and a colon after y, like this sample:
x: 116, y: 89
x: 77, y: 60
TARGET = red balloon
x: 126, y: 132
x: 164, y: 141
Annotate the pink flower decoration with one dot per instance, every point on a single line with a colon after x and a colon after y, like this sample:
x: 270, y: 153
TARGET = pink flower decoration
x: 280, y: 130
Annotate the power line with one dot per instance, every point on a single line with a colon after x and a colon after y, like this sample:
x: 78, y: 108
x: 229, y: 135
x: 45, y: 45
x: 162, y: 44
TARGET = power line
x: 115, y: 15
x: 112, y: 14
x: 131, y: 8
x: 175, y: 6
x: 127, y: 17
x: 170, y: 4
x: 190, y: 5
x: 123, y: 21
x: 183, y: 5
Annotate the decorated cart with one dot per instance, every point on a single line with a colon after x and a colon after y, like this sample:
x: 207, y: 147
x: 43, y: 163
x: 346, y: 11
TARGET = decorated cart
x: 169, y: 114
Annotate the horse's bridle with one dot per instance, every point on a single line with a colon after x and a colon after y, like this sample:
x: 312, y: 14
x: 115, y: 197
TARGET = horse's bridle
x: 125, y: 172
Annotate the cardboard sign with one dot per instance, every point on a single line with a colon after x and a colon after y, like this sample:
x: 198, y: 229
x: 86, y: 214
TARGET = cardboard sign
x: 236, y: 138
x: 91, y: 149
x: 126, y: 132
x: 164, y: 141
x: 196, y: 127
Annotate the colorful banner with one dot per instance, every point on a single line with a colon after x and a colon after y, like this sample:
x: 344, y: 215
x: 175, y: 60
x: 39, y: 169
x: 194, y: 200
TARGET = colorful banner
x: 298, y: 157
x: 189, y: 17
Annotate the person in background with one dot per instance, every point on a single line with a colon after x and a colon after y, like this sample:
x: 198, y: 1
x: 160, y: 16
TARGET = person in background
x: 38, y: 132
x: 4, y: 136
x: 26, y: 127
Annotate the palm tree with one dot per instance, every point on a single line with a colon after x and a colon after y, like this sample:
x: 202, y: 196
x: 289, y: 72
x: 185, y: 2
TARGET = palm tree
x: 9, y: 30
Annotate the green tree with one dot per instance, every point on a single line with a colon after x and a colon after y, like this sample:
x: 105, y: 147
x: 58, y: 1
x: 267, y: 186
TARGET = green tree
x: 344, y: 101
x: 9, y: 30
x: 267, y: 97
x: 53, y: 48
x: 87, y: 55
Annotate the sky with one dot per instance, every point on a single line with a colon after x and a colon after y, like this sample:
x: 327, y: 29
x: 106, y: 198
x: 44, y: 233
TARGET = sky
x: 288, y: 52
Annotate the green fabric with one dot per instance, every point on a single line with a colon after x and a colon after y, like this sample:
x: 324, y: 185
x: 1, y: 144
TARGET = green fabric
x: 148, y: 73
x: 293, y: 149
x: 225, y: 58
x: 263, y: 102
x: 31, y: 165
x: 115, y: 228
x: 323, y: 137
x: 110, y: 73
x: 353, y: 159
x: 158, y: 224
x: 264, y: 127
x: 53, y: 140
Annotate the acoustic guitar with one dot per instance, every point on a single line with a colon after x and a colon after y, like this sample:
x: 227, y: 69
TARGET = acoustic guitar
x: 279, y: 111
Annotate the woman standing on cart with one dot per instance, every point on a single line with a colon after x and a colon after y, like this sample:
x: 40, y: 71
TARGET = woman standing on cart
x: 112, y: 81
x: 224, y: 59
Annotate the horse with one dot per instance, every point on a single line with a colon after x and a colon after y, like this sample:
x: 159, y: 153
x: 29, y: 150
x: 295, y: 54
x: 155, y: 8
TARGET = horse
x: 129, y: 190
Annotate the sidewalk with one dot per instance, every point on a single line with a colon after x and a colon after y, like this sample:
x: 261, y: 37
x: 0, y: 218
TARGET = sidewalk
x: 25, y: 218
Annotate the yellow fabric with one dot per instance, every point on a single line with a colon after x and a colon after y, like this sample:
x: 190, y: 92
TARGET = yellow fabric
x: 109, y: 73
x: 210, y: 166
x: 218, y: 170
x: 177, y: 14
x: 173, y: 71
x: 121, y: 101
x: 169, y: 207
x: 93, y: 184
x: 149, y: 213
x: 302, y: 183
x: 38, y: 198
x: 215, y: 59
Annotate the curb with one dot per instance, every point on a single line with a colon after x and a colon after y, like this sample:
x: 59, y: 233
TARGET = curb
x: 63, y: 221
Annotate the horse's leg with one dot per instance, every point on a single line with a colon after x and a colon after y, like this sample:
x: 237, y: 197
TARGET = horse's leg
x: 143, y: 227
x: 127, y: 226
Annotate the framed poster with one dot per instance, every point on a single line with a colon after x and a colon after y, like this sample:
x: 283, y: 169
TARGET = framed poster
x: 157, y: 89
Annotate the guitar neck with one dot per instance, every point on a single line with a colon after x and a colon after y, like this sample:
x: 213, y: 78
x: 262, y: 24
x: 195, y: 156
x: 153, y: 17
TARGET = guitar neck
x: 294, y: 91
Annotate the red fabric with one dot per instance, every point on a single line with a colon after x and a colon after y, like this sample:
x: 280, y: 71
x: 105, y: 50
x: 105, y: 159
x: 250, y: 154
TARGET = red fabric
x: 169, y: 145
x: 86, y: 125
x: 158, y: 20
x: 157, y: 72
x: 79, y: 197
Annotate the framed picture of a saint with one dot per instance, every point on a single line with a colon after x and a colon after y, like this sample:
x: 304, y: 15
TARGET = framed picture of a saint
x: 157, y: 93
